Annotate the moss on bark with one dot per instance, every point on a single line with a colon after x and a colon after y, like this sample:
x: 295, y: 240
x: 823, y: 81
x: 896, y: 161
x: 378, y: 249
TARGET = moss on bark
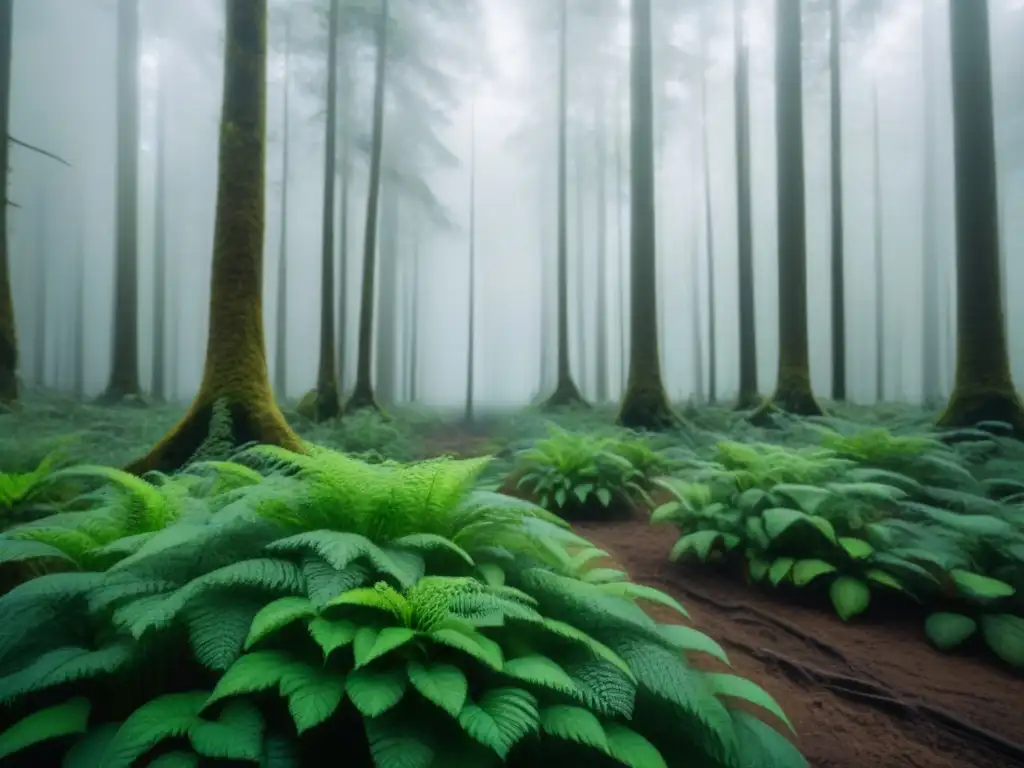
x: 362, y: 399
x: 793, y: 395
x: 645, y: 406
x: 976, y: 402
x: 566, y: 394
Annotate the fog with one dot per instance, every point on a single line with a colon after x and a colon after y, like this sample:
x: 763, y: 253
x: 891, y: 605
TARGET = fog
x: 63, y: 101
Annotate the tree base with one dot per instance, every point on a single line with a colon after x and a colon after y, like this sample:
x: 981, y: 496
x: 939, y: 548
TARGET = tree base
x: 327, y: 403
x: 247, y: 423
x: 566, y: 394
x: 646, y: 407
x: 748, y: 402
x: 793, y: 402
x: 362, y: 399
x: 122, y: 398
x: 968, y: 407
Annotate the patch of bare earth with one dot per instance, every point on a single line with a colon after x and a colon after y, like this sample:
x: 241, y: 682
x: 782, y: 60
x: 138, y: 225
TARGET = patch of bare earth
x: 865, y: 694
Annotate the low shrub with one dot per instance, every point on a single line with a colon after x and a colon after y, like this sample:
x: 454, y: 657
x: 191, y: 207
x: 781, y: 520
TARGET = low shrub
x: 288, y: 610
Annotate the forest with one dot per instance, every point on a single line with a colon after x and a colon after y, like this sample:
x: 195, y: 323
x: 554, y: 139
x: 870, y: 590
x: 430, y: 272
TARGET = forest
x: 468, y: 383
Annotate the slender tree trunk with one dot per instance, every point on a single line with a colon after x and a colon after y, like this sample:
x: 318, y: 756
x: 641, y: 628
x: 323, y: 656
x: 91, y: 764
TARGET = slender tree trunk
x: 235, y: 378
x: 471, y: 339
x: 362, y: 394
x: 40, y: 330
x: 387, y: 294
x: 566, y: 392
x: 124, y: 370
x: 748, y: 393
x: 79, y: 317
x: 601, y: 336
x: 836, y: 159
x: 546, y: 325
x: 281, y: 322
x: 414, y: 325
x: 328, y: 404
x: 346, y: 182
x: 793, y: 391
x: 159, y: 350
x: 879, y: 258
x: 695, y: 303
x: 8, y: 334
x: 620, y: 228
x: 709, y: 224
x: 582, y: 359
x: 983, y: 389
x: 931, y: 322
x: 645, y: 404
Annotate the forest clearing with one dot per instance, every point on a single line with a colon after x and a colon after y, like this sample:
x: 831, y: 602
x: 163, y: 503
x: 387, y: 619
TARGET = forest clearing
x: 404, y: 567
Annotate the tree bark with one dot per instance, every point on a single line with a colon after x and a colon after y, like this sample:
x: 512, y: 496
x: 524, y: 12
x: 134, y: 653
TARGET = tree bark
x: 709, y: 225
x: 645, y: 404
x: 471, y: 337
x: 931, y: 322
x: 983, y: 389
x: 876, y: 162
x: 8, y: 335
x: 281, y: 321
x: 158, y: 388
x: 235, y: 372
x: 835, y: 54
x: 601, y: 336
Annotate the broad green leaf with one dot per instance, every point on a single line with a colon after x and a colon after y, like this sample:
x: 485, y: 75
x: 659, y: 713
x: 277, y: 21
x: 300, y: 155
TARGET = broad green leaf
x: 236, y: 733
x: 631, y: 749
x: 980, y: 587
x: 780, y: 569
x: 502, y: 717
x: 374, y: 692
x: 604, y: 496
x: 734, y: 686
x: 332, y: 635
x: 277, y: 614
x: 699, y: 542
x: 387, y: 640
x: 805, y: 571
x: 758, y: 568
x: 316, y: 700
x: 65, y: 719
x: 808, y: 498
x: 948, y: 630
x: 1004, y: 634
x: 850, y: 596
x: 690, y: 639
x: 778, y: 520
x: 165, y: 717
x: 443, y: 684
x: 856, y: 548
x: 881, y: 577
x: 574, y: 724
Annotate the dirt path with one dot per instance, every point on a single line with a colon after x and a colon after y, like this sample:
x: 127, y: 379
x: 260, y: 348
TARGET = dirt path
x: 860, y: 695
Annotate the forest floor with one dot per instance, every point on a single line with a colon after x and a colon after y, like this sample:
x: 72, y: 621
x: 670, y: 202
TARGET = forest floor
x: 869, y: 692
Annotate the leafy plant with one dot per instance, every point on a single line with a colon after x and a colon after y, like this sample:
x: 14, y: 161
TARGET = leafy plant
x: 387, y: 608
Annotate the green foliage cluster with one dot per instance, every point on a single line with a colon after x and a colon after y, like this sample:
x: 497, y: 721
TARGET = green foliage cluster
x: 587, y: 476
x: 277, y: 608
x: 370, y: 435
x: 861, y: 513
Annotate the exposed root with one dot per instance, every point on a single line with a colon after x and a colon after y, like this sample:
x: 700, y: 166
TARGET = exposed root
x: 566, y: 394
x: 362, y: 399
x: 970, y: 406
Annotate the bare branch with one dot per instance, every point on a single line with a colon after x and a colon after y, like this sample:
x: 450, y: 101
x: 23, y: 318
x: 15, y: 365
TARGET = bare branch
x: 34, y: 148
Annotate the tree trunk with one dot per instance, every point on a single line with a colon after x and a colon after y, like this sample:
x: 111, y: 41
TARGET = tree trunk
x: 124, y: 367
x: 281, y: 322
x: 40, y: 329
x: 327, y: 404
x: 546, y: 326
x: 645, y: 404
x: 8, y: 334
x: 387, y: 294
x: 931, y: 323
x: 362, y: 394
x: 79, y: 318
x: 346, y: 183
x: 414, y: 313
x: 471, y: 338
x: 566, y: 392
x: 695, y: 303
x: 620, y: 228
x: 709, y: 226
x: 835, y: 53
x: 582, y: 360
x: 235, y: 373
x: 983, y: 389
x: 158, y: 387
x: 793, y: 391
x: 876, y: 162
x: 601, y: 335
x: 748, y: 393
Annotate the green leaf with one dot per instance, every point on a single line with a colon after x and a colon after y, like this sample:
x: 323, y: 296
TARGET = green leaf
x: 690, y: 639
x: 808, y: 498
x: 582, y: 491
x: 778, y: 520
x: 850, y: 596
x: 236, y: 734
x: 256, y: 671
x: 631, y: 749
x: 734, y: 686
x: 633, y: 591
x: 560, y: 497
x: 980, y: 587
x: 176, y: 759
x: 1004, y: 634
x: 443, y: 684
x: 170, y: 715
x: 699, y: 542
x: 316, y: 700
x: 542, y: 671
x: 387, y: 640
x: 277, y: 614
x: 806, y: 571
x: 948, y: 630
x: 65, y: 719
x: 758, y: 568
x: 502, y: 717
x: 780, y: 569
x: 332, y: 635
x: 888, y: 580
x: 604, y: 496
x: 493, y: 575
x: 374, y: 692
x: 574, y: 724
x: 87, y: 752
x: 762, y: 746
x: 856, y: 548
x: 480, y: 647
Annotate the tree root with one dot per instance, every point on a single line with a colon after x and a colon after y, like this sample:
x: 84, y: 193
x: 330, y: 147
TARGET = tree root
x: 566, y: 394
x: 362, y: 399
x: 878, y: 697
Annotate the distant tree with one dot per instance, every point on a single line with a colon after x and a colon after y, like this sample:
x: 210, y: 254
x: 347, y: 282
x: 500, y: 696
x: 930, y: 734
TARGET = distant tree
x: 281, y: 322
x: 158, y: 388
x: 8, y: 335
x: 235, y: 374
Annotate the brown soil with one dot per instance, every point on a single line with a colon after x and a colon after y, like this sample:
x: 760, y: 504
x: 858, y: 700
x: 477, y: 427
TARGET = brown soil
x: 860, y: 695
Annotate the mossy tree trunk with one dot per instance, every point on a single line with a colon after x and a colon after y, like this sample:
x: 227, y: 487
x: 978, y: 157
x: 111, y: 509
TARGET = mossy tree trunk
x: 645, y: 404
x: 983, y: 389
x: 235, y: 372
x: 158, y: 387
x: 748, y: 394
x: 362, y: 394
x: 931, y: 324
x: 838, y: 277
x: 281, y: 321
x: 566, y: 392
x: 328, y: 403
x: 793, y: 392
x: 601, y: 193
x: 8, y: 335
x: 124, y: 365
x: 471, y: 320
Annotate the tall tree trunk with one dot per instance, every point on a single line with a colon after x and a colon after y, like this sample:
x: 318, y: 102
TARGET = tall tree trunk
x: 362, y: 394
x: 40, y: 329
x: 695, y: 303
x: 748, y: 393
x: 582, y: 360
x: 645, y: 404
x: 601, y: 336
x: 546, y: 325
x: 983, y: 389
x: 793, y: 391
x: 566, y: 392
x: 414, y: 325
x: 8, y: 335
x: 620, y: 228
x: 471, y: 337
x: 346, y: 183
x: 327, y: 404
x: 931, y: 321
x: 159, y: 349
x: 835, y: 56
x: 387, y: 293
x: 79, y: 317
x: 124, y: 367
x: 235, y: 379
x: 709, y: 224
x: 876, y: 162
x: 281, y: 322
